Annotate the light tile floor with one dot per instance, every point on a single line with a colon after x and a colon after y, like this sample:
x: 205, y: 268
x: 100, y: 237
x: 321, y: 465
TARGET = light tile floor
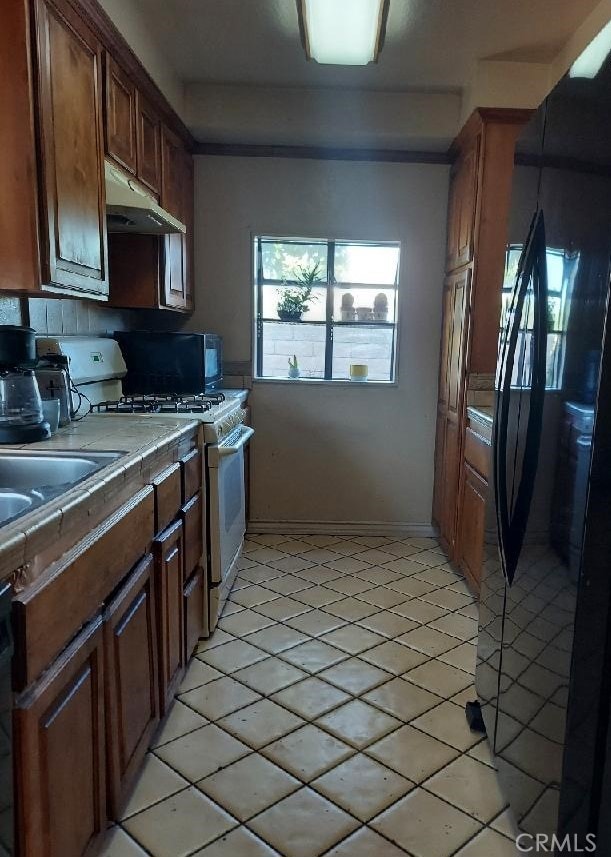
x: 325, y: 716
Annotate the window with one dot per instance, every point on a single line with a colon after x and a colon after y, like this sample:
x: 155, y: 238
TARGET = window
x: 561, y: 271
x: 323, y: 305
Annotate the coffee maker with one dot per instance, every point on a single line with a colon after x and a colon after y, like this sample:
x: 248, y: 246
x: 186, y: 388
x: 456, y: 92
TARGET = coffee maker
x: 21, y: 419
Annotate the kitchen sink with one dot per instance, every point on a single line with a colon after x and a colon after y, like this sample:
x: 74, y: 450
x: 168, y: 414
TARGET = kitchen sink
x: 28, y: 480
x: 13, y: 504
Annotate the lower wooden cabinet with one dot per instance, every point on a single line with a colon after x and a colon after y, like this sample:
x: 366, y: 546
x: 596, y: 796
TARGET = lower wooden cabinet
x: 60, y: 754
x: 447, y: 489
x: 193, y: 609
x: 193, y: 529
x: 168, y: 550
x: 470, y: 542
x: 132, y: 694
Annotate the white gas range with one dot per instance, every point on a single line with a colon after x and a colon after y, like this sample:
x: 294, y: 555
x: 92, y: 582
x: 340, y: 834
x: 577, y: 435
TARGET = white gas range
x: 96, y: 367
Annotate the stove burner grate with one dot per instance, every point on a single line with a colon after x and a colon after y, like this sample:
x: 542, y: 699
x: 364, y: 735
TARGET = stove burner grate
x: 160, y: 404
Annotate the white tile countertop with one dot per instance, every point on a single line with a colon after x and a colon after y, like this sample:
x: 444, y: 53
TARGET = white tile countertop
x: 80, y: 508
x: 481, y: 418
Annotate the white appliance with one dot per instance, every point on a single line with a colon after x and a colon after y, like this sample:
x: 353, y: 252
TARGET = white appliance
x: 129, y: 208
x: 96, y: 367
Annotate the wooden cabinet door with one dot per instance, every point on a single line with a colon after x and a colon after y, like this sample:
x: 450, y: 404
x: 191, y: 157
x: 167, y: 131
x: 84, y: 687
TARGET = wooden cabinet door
x: 458, y: 324
x: 470, y: 536
x: 438, y: 484
x: 19, y: 239
x: 60, y: 754
x: 148, y: 140
x: 72, y: 152
x: 450, y: 474
x: 188, y: 190
x: 194, y: 610
x: 446, y: 342
x: 120, y: 116
x: 132, y: 693
x: 174, y: 293
x: 169, y: 563
x: 171, y: 172
x: 461, y: 207
x: 193, y: 530
x: 450, y: 409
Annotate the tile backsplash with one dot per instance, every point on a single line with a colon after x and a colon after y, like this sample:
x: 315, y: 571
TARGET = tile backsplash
x: 68, y: 316
x: 73, y: 316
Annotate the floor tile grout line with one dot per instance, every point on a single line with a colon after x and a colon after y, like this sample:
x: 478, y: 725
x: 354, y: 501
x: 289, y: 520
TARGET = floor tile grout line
x: 354, y: 623
x: 312, y: 720
x: 324, y: 585
x: 408, y: 599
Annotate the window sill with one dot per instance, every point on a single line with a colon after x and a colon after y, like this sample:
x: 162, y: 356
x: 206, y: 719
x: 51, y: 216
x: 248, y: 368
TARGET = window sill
x: 320, y: 381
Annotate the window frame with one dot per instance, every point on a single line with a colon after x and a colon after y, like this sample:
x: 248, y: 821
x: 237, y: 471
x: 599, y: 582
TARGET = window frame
x: 329, y: 322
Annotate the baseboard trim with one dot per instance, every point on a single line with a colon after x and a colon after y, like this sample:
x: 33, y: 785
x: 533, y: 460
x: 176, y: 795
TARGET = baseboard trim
x: 398, y: 529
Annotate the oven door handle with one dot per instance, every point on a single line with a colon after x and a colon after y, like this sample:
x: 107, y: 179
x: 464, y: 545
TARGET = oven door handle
x: 245, y: 436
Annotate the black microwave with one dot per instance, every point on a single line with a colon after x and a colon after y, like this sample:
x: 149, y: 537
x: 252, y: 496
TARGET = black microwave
x: 170, y: 363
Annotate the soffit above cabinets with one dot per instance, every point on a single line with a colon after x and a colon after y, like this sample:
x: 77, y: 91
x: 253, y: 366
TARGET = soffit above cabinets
x: 429, y: 43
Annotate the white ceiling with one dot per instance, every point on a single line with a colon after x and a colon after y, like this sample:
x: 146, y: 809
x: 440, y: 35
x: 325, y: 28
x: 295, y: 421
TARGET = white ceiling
x: 430, y: 44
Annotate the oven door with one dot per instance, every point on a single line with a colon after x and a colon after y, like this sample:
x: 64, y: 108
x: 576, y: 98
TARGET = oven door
x: 227, y: 501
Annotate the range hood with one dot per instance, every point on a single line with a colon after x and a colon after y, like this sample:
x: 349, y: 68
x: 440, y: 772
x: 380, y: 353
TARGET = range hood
x: 130, y: 209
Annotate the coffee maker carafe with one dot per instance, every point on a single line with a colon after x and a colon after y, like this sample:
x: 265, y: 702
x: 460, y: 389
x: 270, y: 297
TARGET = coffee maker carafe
x: 21, y: 419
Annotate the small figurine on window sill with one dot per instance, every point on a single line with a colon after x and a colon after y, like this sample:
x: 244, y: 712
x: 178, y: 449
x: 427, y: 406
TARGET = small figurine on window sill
x: 293, y: 367
x: 380, y: 307
x: 348, y: 310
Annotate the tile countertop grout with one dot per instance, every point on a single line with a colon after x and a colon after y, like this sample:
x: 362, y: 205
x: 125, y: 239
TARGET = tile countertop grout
x: 139, y: 439
x: 482, y: 414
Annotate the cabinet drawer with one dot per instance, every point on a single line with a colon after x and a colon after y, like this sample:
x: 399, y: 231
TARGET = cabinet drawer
x: 192, y: 476
x: 477, y: 453
x: 49, y: 613
x: 194, y: 610
x: 193, y: 530
x: 60, y: 754
x: 168, y: 496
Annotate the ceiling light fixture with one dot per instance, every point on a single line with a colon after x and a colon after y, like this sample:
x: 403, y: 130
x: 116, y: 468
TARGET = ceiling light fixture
x: 589, y: 63
x: 343, y: 32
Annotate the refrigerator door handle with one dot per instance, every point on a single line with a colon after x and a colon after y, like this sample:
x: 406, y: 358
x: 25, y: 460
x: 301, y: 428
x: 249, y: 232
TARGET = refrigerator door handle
x: 511, y: 523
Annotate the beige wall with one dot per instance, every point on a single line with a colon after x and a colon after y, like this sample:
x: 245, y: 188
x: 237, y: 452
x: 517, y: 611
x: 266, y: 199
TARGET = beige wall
x: 425, y: 121
x: 327, y: 453
x: 135, y: 29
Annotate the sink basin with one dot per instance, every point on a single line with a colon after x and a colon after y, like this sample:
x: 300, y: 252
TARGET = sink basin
x: 13, y: 504
x: 28, y: 480
x: 49, y: 470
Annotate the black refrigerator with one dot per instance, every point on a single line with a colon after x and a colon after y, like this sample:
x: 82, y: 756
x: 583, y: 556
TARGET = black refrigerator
x: 543, y: 673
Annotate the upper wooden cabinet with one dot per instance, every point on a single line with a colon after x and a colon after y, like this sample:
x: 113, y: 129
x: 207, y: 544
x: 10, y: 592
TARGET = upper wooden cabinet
x: 73, y: 209
x: 148, y: 141
x: 461, y: 208
x: 64, y: 108
x: 172, y: 172
x: 120, y: 116
x: 150, y: 272
x: 19, y: 238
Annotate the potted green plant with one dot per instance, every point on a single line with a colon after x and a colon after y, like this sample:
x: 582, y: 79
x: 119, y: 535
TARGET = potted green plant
x: 296, y: 300
x: 294, y: 367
